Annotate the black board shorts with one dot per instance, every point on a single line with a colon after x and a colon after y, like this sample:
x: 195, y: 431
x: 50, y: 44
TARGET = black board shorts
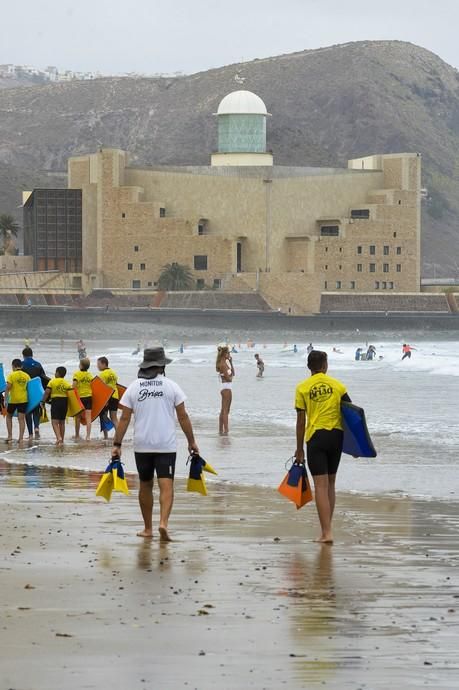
x: 19, y: 407
x: 59, y: 408
x: 323, y: 451
x: 161, y: 463
x: 87, y: 403
x: 112, y: 405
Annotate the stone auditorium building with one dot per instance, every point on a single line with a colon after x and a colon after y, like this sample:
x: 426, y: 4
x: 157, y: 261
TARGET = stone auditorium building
x: 242, y: 224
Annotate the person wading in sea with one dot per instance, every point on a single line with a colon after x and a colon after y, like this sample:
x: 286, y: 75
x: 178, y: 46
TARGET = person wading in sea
x: 155, y: 401
x: 225, y: 371
x: 318, y: 407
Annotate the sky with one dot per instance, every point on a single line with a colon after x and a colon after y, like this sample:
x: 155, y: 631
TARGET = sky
x: 150, y: 36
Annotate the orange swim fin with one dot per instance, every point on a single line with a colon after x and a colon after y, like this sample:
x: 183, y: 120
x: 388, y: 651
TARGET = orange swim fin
x: 295, y: 486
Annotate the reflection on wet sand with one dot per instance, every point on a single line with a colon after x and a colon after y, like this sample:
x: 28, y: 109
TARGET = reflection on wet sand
x: 242, y: 595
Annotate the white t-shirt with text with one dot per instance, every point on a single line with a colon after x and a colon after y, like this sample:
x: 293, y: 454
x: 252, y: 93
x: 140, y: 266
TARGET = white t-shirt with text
x: 153, y: 402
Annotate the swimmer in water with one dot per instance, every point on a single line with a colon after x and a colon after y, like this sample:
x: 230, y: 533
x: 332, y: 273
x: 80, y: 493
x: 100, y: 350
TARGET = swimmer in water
x: 260, y: 366
x: 225, y: 370
x: 406, y: 351
x: 295, y: 349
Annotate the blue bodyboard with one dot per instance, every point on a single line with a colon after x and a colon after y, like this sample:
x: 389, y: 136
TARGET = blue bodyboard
x: 357, y: 440
x: 35, y: 392
x: 2, y: 380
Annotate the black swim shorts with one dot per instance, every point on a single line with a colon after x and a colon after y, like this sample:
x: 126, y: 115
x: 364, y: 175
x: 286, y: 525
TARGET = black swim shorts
x: 19, y: 407
x: 59, y: 409
x: 161, y: 463
x: 324, y: 450
x: 87, y: 403
x: 112, y: 405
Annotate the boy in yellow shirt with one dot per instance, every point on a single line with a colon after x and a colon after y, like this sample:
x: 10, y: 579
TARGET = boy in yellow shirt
x: 109, y: 377
x: 16, y: 391
x: 82, y: 384
x: 318, y: 402
x: 56, y: 391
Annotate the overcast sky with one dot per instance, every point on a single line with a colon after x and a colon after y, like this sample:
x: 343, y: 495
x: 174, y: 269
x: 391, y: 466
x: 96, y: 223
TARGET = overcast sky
x: 148, y: 36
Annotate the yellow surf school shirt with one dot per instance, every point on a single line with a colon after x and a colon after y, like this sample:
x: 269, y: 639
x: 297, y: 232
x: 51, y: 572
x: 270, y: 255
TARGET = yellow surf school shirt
x: 83, y: 383
x: 320, y: 396
x: 18, y: 381
x: 59, y: 387
x: 109, y: 377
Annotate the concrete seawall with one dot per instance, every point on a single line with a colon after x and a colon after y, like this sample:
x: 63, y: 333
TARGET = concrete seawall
x: 57, y: 320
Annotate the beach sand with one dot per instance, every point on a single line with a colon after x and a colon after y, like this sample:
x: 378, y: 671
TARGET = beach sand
x: 241, y: 599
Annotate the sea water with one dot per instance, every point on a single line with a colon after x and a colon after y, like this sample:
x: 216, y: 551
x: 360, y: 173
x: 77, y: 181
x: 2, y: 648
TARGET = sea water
x: 411, y: 408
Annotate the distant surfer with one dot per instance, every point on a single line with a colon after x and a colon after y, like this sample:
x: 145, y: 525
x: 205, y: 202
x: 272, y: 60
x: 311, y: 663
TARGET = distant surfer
x: 358, y: 354
x: 406, y: 351
x: 137, y: 350
x: 371, y: 352
x: 309, y: 348
x: 225, y: 369
x: 260, y: 366
x: 81, y: 348
x: 155, y: 401
x: 318, y: 407
x: 181, y: 348
x: 295, y: 349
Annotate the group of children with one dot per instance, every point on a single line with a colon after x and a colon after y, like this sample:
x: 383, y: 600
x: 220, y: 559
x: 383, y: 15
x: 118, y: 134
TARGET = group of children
x: 56, y: 393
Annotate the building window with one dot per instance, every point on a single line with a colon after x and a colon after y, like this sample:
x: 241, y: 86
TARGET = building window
x: 377, y: 285
x: 142, y: 267
x: 372, y: 249
x: 129, y: 267
x: 359, y: 268
x: 149, y: 283
x: 399, y: 251
x: 123, y: 215
x: 359, y: 249
x: 341, y: 249
x: 340, y: 267
x: 200, y: 263
x: 338, y: 285
x: 136, y: 284
x: 384, y: 285
x: 200, y: 284
x: 326, y: 267
x: 136, y: 247
x: 372, y: 268
x: 326, y: 249
x: 386, y: 250
x: 360, y: 213
x: 162, y: 212
x: 385, y: 268
x: 399, y: 268
x: 329, y: 231
x: 201, y: 229
x: 395, y: 234
x: 217, y: 283
x: 352, y: 285
x: 326, y: 285
x: 390, y: 285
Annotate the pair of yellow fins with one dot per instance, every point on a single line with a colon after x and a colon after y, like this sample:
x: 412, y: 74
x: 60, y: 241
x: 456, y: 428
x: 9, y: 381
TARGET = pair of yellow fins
x: 196, y: 481
x: 113, y: 479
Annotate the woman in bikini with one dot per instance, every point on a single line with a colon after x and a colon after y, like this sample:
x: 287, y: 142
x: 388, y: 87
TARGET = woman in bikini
x: 225, y: 370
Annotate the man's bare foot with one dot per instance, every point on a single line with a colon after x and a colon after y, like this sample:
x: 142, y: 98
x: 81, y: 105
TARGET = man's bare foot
x: 324, y: 539
x: 164, y: 535
x: 37, y: 433
x: 9, y: 440
x: 146, y: 534
x: 59, y: 442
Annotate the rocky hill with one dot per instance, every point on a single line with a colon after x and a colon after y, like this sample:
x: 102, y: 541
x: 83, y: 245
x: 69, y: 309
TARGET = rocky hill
x: 328, y: 105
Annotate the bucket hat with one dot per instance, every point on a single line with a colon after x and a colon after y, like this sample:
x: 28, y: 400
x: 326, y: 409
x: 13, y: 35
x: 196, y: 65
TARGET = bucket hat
x: 154, y: 357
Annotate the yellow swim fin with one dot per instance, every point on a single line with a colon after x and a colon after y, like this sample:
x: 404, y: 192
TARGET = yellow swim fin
x: 105, y: 486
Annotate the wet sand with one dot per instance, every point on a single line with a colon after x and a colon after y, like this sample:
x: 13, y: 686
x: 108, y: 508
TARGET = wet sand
x: 241, y: 599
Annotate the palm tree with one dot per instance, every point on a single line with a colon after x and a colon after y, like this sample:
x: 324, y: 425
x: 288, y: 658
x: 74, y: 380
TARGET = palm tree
x: 8, y: 229
x: 175, y: 276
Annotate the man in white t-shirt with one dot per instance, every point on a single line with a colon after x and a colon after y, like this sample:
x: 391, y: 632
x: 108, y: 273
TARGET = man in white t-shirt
x: 155, y: 402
